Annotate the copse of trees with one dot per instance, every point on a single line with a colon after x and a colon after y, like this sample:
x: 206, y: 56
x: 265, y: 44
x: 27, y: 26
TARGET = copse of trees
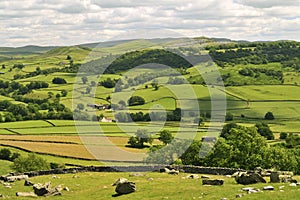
x: 239, y: 147
x: 109, y: 83
x: 58, y: 80
x: 136, y: 58
x: 256, y: 53
x: 136, y: 100
x: 264, y: 130
x: 141, y: 137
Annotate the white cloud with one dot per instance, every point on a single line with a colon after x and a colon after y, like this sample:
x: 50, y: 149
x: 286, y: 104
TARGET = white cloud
x: 67, y: 22
x: 268, y: 3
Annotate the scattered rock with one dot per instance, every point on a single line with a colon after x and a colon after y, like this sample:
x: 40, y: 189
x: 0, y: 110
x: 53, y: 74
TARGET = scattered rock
x: 120, y: 180
x: 46, y: 190
x: 224, y: 199
x: 293, y: 184
x: 11, y: 178
x: 169, y: 171
x: 173, y: 171
x: 239, y: 195
x: 246, y: 179
x: 205, y: 177
x: 150, y: 179
x: 125, y: 188
x: 136, y: 175
x: 193, y: 176
x: 212, y: 182
x: 164, y: 170
x: 26, y: 194
x: 75, y: 176
x: 268, y: 188
x: 66, y: 189
x: 281, y: 187
x: 28, y: 183
x: 58, y: 188
x: 282, y: 177
x: 41, y: 190
x: 250, y: 190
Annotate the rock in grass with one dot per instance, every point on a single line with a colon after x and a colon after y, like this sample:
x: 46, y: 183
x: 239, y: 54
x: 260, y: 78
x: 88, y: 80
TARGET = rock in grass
x: 212, y: 182
x: 41, y: 190
x: 239, y: 195
x: 120, y: 180
x: 246, y: 179
x: 26, y: 194
x: 28, y: 183
x: 268, y: 188
x: 193, y: 176
x: 125, y: 188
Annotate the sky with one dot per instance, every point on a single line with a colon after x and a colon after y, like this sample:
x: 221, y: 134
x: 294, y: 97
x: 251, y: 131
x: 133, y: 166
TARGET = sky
x: 71, y: 22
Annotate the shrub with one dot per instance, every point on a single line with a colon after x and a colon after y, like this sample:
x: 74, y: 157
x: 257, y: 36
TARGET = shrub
x: 229, y: 117
x: 283, y: 136
x: 166, y: 136
x: 30, y: 163
x: 5, y: 154
x: 136, y: 100
x: 269, y: 116
x: 59, y: 81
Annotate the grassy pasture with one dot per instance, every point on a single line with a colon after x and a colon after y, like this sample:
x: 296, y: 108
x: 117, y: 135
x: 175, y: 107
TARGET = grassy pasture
x: 161, y: 186
x: 56, y: 159
x: 5, y: 166
x: 266, y: 92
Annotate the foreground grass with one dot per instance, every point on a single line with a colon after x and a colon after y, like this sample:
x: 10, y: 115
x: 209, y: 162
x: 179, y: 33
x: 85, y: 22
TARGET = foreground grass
x: 5, y: 166
x: 161, y: 186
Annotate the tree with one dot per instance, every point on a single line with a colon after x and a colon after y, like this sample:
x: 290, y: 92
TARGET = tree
x: 269, y: 116
x: 279, y: 158
x: 93, y: 83
x: 80, y: 106
x: 226, y: 129
x: 64, y: 93
x: 283, y: 136
x: 84, y: 79
x: 58, y: 80
x: 265, y: 131
x: 30, y: 163
x: 69, y: 57
x: 136, y: 100
x: 229, y: 117
x: 166, y: 137
x: 141, y: 136
x: 242, y: 148
x: 5, y: 154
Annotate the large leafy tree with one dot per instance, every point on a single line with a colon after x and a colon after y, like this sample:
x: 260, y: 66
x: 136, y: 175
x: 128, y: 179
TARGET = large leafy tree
x: 166, y: 136
x: 242, y: 148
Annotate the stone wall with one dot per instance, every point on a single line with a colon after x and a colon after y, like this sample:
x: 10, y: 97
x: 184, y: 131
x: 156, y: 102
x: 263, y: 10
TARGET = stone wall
x: 142, y: 168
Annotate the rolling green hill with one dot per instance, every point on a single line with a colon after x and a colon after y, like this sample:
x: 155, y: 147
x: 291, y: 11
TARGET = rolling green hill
x: 251, y: 88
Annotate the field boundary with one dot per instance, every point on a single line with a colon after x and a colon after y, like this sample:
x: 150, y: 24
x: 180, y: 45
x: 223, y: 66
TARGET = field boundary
x: 139, y: 168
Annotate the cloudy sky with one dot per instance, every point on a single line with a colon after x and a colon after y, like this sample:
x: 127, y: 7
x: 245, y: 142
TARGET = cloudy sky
x: 68, y: 22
